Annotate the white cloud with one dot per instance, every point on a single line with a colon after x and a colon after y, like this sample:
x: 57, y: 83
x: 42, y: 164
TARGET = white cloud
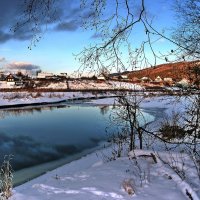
x: 22, y: 66
x: 2, y: 59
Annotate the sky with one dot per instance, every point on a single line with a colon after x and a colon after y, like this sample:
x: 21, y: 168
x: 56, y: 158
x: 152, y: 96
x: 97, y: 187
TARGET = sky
x: 61, y: 39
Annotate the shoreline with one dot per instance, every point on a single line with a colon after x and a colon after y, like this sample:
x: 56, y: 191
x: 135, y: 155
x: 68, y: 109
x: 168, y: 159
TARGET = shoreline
x: 27, y: 174
x: 24, y: 175
x: 70, y: 97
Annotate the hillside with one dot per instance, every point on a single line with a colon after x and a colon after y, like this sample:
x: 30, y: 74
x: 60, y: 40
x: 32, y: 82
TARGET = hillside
x: 177, y: 71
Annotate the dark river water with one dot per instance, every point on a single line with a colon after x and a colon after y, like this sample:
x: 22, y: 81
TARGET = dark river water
x: 35, y: 135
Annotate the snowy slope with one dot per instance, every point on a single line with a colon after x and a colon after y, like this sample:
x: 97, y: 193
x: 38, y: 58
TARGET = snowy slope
x: 92, y: 179
x: 15, y: 98
x: 95, y: 178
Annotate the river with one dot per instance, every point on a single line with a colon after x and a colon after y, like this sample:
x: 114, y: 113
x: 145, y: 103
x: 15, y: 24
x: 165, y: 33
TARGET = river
x: 41, y: 138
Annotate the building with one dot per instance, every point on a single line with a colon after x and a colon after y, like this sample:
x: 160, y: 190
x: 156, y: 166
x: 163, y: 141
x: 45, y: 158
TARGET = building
x: 14, y: 80
x: 124, y: 77
x: 183, y: 83
x: 158, y: 79
x: 45, y: 75
x: 145, y: 79
x: 102, y: 78
x: 135, y: 80
x: 63, y: 75
x: 168, y: 80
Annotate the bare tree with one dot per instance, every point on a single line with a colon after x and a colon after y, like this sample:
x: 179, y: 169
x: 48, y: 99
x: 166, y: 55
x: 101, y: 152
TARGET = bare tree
x: 114, y: 23
x: 187, y: 33
x: 129, y: 117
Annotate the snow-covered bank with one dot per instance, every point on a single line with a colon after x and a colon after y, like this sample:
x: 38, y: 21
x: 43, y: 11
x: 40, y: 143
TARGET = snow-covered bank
x: 26, y: 98
x: 165, y: 102
x: 23, y: 98
x: 23, y: 175
x: 94, y: 178
x: 92, y: 85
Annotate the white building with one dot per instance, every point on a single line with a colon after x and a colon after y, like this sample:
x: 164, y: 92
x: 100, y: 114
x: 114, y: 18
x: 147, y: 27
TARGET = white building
x: 145, y: 79
x: 169, y: 80
x: 63, y: 74
x: 44, y: 75
x: 158, y: 79
x: 101, y: 78
x: 125, y: 77
x: 184, y: 82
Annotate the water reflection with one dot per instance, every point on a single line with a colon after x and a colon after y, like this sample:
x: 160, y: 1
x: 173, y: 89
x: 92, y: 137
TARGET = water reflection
x: 28, y: 110
x: 41, y: 134
x: 36, y: 135
x: 28, y: 152
x: 104, y: 109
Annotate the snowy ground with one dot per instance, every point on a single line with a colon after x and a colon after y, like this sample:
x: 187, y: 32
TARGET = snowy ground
x: 92, y: 85
x: 93, y: 177
x: 16, y: 98
x: 78, y: 85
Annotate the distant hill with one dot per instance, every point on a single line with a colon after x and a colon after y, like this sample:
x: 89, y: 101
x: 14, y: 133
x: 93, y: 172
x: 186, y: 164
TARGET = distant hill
x: 176, y: 71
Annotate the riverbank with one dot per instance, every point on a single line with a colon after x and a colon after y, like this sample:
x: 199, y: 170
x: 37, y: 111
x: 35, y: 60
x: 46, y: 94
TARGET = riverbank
x: 92, y: 177
x: 29, y: 173
x: 14, y: 99
x: 24, y: 175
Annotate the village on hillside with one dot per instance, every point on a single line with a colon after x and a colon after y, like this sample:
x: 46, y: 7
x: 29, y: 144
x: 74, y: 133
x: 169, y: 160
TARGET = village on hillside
x: 158, y: 77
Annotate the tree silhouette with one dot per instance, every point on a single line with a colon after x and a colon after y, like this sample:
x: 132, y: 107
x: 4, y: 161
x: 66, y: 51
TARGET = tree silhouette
x: 114, y: 23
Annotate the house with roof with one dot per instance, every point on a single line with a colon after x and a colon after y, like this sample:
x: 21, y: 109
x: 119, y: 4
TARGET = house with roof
x: 135, y: 80
x: 158, y: 79
x: 14, y: 80
x: 168, y: 80
x: 183, y: 83
x: 101, y: 78
x: 44, y: 75
x: 146, y: 79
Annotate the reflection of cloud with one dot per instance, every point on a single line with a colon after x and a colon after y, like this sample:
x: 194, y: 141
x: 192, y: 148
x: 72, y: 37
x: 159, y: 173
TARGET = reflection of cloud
x: 28, y: 152
x: 26, y: 110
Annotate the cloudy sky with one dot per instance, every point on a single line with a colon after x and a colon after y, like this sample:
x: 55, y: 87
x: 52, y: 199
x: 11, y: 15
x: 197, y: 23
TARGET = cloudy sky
x: 60, y: 39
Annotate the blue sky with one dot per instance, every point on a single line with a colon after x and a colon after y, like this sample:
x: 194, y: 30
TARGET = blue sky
x: 55, y: 50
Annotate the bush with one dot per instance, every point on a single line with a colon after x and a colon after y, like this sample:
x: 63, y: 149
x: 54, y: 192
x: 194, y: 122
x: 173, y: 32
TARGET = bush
x: 170, y: 132
x: 6, y: 179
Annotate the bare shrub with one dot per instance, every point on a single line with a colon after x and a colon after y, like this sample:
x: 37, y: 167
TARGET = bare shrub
x: 170, y: 128
x: 6, y: 178
x: 118, y: 142
x: 128, y: 186
x: 36, y: 95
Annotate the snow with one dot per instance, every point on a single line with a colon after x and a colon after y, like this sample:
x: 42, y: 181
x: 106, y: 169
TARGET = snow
x: 85, y: 84
x: 82, y: 85
x: 168, y: 103
x: 16, y: 98
x: 91, y: 178
x: 5, y: 85
x: 95, y: 177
